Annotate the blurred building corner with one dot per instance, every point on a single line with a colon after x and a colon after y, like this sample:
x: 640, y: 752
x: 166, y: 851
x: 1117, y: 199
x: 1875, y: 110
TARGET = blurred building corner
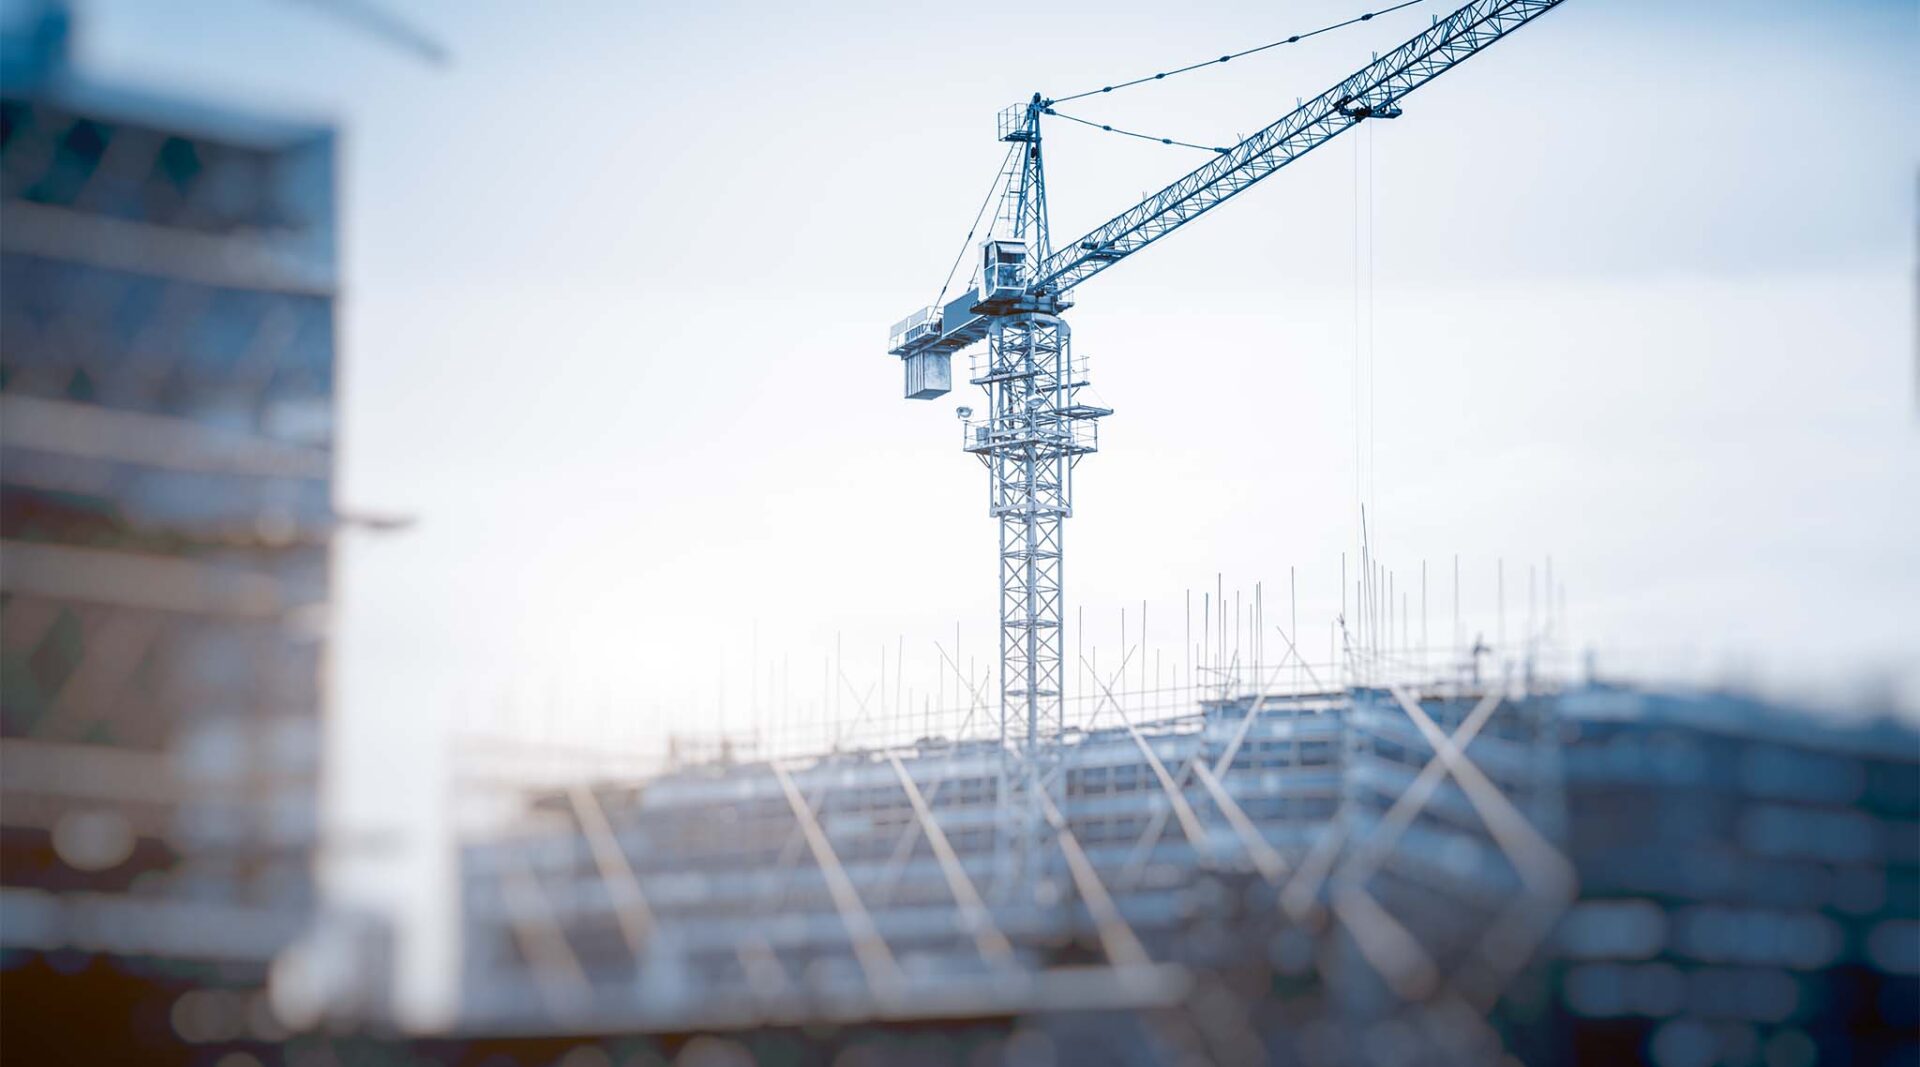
x: 338, y: 975
x: 34, y: 42
x: 168, y: 274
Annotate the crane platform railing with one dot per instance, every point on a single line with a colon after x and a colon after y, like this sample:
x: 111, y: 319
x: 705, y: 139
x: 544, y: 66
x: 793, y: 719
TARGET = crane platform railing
x: 1073, y: 435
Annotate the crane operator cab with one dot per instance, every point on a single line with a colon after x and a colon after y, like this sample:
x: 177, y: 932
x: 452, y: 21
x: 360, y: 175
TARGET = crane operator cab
x: 925, y: 340
x: 1003, y: 271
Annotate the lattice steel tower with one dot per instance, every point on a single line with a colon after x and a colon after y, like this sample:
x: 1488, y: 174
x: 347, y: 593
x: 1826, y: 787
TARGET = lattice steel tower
x: 1033, y: 434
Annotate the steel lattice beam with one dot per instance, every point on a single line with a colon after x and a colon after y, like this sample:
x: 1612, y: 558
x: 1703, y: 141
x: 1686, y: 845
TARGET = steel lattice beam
x: 1371, y: 91
x: 1032, y: 437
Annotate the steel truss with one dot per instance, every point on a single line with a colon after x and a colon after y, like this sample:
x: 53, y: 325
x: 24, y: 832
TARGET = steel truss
x: 1033, y: 435
x: 1372, y: 92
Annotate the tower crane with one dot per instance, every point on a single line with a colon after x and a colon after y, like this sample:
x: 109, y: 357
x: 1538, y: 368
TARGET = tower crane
x: 1036, y: 428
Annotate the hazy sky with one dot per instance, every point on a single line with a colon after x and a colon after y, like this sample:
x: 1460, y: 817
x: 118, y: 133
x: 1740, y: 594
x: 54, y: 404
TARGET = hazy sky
x: 618, y: 281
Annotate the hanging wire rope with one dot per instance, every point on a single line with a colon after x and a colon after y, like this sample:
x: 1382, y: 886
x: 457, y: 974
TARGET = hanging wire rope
x: 1358, y: 362
x: 1130, y: 133
x: 1295, y: 39
x: 1373, y: 364
x: 975, y: 228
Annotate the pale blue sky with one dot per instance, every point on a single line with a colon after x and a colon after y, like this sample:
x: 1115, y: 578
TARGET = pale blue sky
x: 618, y: 281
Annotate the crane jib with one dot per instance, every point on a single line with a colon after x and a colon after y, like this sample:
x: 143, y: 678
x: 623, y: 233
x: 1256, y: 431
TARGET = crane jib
x: 1373, y: 88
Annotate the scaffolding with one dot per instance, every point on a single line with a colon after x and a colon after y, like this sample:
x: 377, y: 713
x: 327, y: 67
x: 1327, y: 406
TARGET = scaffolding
x: 1390, y: 842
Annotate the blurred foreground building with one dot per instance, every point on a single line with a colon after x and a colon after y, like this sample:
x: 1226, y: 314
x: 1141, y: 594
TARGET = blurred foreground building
x: 1445, y: 873
x: 1750, y: 883
x: 167, y: 384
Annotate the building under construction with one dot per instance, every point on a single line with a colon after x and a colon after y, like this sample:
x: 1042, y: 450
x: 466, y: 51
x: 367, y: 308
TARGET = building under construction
x: 1387, y: 873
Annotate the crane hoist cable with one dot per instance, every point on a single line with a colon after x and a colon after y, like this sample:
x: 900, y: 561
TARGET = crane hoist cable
x: 1295, y: 39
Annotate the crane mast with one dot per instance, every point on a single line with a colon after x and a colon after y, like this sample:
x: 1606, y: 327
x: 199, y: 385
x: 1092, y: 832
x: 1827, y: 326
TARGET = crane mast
x: 1035, y: 428
x: 1033, y: 434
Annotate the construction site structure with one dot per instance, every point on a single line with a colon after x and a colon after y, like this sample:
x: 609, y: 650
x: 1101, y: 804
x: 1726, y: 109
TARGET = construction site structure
x: 1495, y: 867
